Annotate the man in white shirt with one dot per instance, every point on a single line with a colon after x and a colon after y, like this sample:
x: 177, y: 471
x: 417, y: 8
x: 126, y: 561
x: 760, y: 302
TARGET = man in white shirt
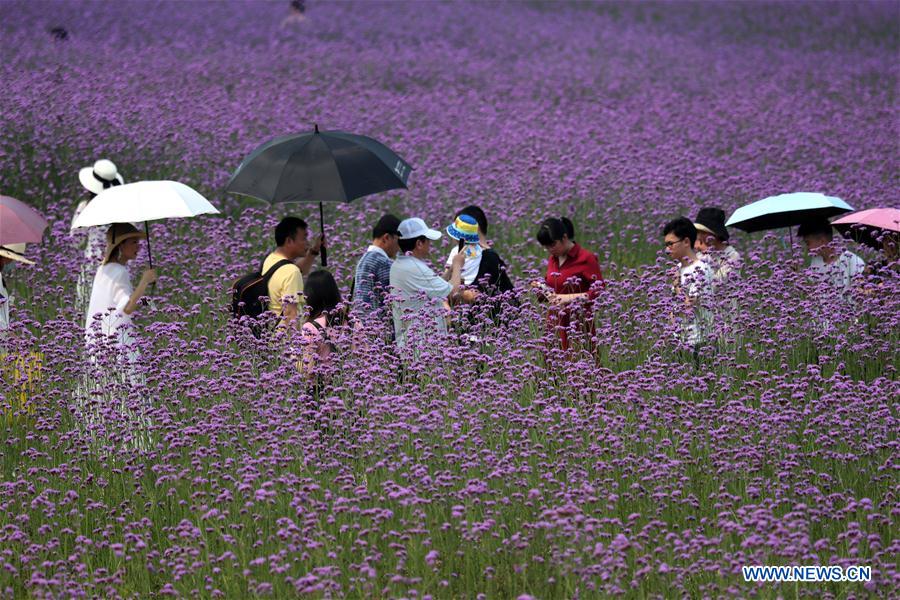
x: 420, y: 297
x: 838, y: 270
x: 694, y: 282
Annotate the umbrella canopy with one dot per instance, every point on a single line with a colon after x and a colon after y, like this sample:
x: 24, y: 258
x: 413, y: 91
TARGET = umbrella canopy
x: 786, y: 210
x: 19, y: 223
x: 869, y: 226
x: 327, y: 166
x: 143, y: 201
x: 331, y: 166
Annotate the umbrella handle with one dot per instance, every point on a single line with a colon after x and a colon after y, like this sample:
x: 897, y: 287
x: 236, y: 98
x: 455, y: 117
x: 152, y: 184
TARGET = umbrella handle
x: 149, y: 252
x: 149, y: 256
x: 793, y: 258
x: 323, y: 252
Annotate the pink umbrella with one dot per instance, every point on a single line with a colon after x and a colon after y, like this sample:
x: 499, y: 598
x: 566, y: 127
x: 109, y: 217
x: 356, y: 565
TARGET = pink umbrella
x: 869, y: 226
x: 19, y: 223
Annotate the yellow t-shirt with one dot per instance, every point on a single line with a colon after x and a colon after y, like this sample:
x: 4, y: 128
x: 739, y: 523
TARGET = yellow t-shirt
x: 286, y: 281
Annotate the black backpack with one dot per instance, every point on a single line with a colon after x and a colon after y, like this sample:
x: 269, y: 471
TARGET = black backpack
x: 248, y: 291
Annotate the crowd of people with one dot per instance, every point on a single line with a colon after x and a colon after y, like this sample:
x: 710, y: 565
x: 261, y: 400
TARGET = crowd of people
x: 396, y: 292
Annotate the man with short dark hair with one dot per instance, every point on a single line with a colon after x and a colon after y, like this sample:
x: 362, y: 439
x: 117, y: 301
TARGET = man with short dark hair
x: 417, y: 288
x: 373, y: 271
x: 286, y: 283
x: 839, y: 270
x: 693, y: 280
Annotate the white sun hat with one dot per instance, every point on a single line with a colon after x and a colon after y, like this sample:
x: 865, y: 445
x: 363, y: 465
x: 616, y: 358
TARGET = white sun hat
x: 413, y: 228
x: 102, y: 175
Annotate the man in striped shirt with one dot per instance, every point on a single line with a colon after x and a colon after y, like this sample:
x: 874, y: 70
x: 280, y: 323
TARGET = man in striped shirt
x: 373, y: 272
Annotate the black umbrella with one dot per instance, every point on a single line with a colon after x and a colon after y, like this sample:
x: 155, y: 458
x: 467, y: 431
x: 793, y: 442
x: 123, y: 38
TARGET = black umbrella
x: 328, y: 166
x: 786, y: 210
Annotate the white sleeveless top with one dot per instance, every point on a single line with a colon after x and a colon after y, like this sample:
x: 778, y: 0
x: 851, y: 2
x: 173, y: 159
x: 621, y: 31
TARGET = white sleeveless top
x: 110, y: 294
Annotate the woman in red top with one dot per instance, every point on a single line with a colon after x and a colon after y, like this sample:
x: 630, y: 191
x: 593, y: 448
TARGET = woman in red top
x: 573, y: 278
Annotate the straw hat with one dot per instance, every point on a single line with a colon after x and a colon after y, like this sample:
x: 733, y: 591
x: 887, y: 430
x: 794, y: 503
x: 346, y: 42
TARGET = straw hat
x: 118, y: 233
x: 15, y: 252
x: 102, y: 175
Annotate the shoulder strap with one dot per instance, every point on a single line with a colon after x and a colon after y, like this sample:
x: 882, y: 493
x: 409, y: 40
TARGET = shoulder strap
x: 268, y: 274
x: 490, y: 264
x: 353, y: 281
x: 493, y: 264
x: 324, y: 332
x: 493, y: 259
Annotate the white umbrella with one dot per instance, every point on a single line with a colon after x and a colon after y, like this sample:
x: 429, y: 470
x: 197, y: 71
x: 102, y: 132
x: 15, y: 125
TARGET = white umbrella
x: 143, y: 201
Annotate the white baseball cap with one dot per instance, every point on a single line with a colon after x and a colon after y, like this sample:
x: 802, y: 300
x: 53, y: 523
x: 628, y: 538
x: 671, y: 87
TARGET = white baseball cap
x: 413, y: 228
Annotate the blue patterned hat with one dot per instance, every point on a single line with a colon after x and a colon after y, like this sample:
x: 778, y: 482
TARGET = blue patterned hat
x: 465, y: 228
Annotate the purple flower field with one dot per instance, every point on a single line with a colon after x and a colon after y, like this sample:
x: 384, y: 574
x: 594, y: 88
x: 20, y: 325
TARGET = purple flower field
x: 495, y: 468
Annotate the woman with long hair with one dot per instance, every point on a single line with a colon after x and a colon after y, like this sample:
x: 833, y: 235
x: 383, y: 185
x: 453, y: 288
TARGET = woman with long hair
x: 323, y: 299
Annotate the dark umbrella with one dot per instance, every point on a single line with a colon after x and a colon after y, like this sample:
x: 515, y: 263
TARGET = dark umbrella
x: 328, y: 166
x: 786, y: 210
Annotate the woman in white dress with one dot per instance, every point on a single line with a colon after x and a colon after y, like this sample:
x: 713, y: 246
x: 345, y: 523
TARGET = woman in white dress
x: 102, y: 175
x: 113, y: 299
x: 113, y: 358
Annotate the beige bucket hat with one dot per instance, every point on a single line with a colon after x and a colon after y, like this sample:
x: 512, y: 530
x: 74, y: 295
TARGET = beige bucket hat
x: 15, y: 252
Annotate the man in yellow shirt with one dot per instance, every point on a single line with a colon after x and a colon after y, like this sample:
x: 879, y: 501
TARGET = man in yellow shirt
x: 286, y: 284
